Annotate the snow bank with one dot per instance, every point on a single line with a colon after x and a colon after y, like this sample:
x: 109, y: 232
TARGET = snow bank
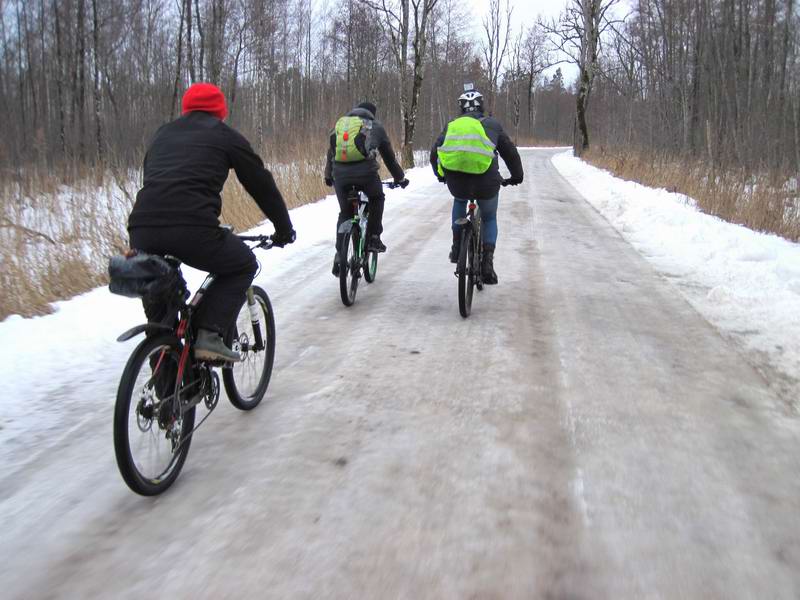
x: 747, y: 284
x: 59, y: 367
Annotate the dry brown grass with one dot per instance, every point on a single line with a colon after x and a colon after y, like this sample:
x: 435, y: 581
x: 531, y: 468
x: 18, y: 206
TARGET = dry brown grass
x: 57, y: 230
x: 763, y: 202
x: 55, y: 239
x: 300, y: 181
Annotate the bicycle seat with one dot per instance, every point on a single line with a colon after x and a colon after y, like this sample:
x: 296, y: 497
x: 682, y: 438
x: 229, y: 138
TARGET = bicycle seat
x: 355, y: 194
x: 173, y: 261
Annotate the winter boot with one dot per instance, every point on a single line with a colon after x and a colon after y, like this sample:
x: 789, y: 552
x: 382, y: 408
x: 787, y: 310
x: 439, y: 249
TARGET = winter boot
x: 210, y: 346
x: 339, y: 240
x: 454, y: 249
x: 375, y: 244
x: 487, y: 266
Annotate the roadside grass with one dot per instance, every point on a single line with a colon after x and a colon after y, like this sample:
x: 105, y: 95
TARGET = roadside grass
x: 766, y: 202
x: 58, y: 230
x: 55, y: 237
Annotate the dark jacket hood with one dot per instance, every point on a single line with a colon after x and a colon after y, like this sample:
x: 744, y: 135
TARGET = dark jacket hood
x: 361, y: 112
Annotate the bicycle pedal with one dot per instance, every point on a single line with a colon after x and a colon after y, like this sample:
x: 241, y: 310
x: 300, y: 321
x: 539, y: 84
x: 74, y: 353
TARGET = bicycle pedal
x: 216, y: 362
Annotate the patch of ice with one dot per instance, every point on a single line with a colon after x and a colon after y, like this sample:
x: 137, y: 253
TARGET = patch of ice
x: 740, y: 280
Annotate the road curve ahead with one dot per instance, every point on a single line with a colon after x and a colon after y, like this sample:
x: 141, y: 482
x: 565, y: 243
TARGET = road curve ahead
x: 584, y: 434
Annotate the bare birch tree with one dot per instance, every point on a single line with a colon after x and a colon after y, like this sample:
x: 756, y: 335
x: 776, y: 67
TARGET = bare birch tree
x: 577, y: 34
x: 406, y: 22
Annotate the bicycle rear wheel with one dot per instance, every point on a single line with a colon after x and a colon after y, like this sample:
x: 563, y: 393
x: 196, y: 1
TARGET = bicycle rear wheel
x: 151, y: 436
x: 465, y: 272
x: 349, y: 265
x: 253, y: 336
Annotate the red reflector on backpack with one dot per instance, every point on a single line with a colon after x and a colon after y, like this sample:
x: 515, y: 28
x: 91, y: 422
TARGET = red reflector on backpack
x: 346, y: 136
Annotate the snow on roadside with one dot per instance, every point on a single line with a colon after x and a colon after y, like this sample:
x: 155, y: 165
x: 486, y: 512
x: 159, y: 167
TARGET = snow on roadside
x: 747, y: 284
x: 59, y: 369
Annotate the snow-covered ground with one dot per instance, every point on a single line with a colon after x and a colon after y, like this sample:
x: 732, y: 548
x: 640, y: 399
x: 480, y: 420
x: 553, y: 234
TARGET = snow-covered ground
x: 43, y: 360
x: 747, y: 284
x: 584, y: 429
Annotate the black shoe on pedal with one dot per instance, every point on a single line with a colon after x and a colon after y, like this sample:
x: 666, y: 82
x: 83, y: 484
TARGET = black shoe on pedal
x: 335, y: 269
x: 489, y: 277
x: 454, y: 254
x: 375, y: 244
x: 487, y: 267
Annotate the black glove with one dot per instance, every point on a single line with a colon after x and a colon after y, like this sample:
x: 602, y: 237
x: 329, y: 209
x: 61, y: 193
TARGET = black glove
x: 403, y: 183
x: 441, y: 179
x: 329, y: 181
x: 512, y: 181
x: 281, y: 238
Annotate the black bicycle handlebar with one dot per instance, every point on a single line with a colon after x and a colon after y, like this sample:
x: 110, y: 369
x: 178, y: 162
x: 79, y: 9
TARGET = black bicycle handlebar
x: 264, y: 241
x: 395, y: 184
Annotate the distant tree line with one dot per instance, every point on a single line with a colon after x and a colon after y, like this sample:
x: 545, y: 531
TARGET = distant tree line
x: 717, y: 80
x: 88, y: 81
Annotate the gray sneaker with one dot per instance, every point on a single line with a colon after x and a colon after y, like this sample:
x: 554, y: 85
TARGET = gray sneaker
x: 210, y: 346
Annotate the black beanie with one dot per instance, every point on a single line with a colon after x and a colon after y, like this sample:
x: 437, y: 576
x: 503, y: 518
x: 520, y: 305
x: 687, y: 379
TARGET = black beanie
x: 370, y: 107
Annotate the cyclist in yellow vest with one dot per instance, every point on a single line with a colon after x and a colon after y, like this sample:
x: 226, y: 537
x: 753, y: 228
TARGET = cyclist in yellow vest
x: 355, y: 142
x: 465, y: 157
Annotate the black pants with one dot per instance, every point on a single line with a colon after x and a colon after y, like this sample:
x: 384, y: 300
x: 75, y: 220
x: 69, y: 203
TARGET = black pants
x: 211, y: 249
x: 373, y: 188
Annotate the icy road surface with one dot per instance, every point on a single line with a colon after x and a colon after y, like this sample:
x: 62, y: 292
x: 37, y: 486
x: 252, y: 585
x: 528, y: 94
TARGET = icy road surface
x: 584, y: 434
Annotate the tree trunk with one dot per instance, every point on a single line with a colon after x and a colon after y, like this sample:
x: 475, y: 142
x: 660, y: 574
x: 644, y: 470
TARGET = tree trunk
x: 581, y: 143
x: 189, y: 54
x: 96, y: 85
x: 175, y: 87
x: 80, y: 84
x: 21, y: 86
x: 202, y: 39
x: 60, y: 83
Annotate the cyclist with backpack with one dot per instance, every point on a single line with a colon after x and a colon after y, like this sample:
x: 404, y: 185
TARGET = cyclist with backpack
x: 177, y: 210
x: 354, y: 144
x: 465, y: 157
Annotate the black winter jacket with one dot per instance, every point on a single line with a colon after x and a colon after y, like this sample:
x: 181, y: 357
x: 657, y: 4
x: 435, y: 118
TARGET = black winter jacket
x: 185, y: 168
x: 355, y: 172
x: 467, y: 186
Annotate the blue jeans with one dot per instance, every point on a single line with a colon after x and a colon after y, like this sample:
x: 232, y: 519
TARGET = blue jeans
x: 488, y: 217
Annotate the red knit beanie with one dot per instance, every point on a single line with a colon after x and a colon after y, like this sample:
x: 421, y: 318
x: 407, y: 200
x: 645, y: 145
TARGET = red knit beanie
x: 205, y: 97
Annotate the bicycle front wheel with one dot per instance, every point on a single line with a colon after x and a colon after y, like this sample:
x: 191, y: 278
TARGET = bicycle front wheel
x: 350, y: 265
x: 465, y: 272
x: 253, y: 336
x: 151, y: 432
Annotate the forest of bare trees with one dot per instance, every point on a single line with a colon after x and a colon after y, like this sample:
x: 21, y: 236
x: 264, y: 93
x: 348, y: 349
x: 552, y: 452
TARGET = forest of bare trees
x: 700, y: 96
x: 717, y: 80
x: 88, y: 81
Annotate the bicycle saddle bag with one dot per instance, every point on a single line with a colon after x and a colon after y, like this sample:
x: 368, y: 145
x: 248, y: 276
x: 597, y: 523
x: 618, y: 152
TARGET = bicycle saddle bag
x: 146, y: 276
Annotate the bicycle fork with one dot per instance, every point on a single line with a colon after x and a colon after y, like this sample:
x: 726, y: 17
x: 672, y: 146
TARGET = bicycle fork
x: 252, y: 307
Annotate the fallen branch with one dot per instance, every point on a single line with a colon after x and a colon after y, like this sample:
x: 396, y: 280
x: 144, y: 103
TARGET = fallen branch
x: 5, y: 222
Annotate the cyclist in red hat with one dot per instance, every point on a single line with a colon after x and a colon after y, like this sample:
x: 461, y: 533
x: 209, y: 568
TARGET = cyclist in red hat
x: 177, y: 210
